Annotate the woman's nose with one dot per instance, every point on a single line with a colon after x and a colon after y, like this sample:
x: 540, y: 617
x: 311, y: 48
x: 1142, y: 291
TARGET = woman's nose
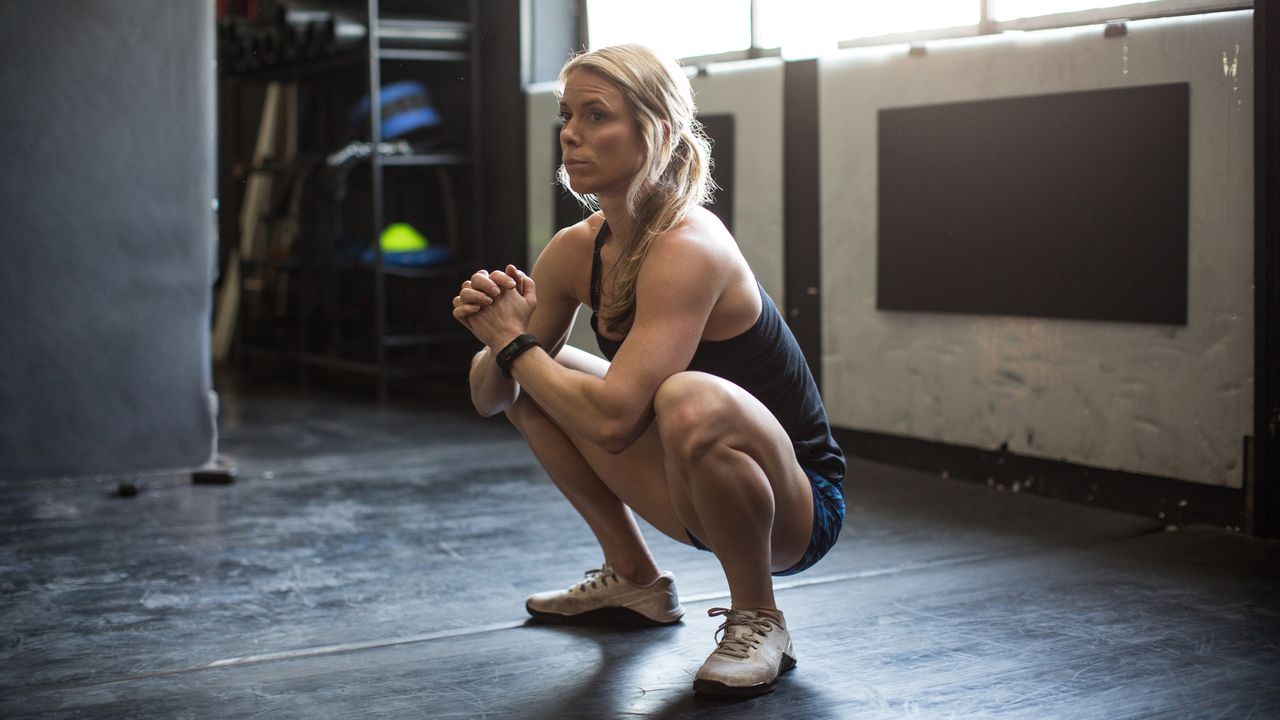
x: 568, y: 134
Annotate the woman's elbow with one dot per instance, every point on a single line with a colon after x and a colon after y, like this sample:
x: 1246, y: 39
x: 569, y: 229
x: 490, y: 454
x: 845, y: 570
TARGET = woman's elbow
x: 488, y: 404
x: 616, y: 436
x: 615, y: 444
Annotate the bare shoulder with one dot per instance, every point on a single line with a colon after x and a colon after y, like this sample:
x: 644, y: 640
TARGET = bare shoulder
x: 698, y: 244
x: 573, y: 239
x: 566, y: 260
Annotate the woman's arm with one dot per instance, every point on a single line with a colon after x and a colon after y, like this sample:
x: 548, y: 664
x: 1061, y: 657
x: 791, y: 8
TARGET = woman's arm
x: 550, y: 321
x: 679, y: 284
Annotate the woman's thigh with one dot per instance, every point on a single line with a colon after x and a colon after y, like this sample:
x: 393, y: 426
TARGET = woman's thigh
x: 701, y: 408
x: 636, y: 475
x: 705, y: 417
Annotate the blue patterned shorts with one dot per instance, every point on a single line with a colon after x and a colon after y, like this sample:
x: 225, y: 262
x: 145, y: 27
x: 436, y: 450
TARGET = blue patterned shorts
x: 828, y: 518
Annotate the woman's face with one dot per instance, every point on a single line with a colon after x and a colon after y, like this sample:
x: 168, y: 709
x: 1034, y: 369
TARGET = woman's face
x: 600, y: 138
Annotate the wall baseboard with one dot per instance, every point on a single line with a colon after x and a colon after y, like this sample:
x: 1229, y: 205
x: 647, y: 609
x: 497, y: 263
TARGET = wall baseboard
x: 1175, y: 502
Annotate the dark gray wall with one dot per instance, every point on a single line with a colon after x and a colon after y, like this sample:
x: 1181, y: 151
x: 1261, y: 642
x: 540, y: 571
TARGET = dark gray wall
x: 107, y: 125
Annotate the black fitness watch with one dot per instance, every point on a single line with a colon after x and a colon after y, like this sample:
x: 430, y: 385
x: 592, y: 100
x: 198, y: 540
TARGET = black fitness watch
x: 508, y: 354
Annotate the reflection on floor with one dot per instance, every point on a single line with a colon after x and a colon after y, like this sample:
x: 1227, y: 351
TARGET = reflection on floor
x: 373, y: 563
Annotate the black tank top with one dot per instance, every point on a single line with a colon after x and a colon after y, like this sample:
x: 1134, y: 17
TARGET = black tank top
x: 766, y: 361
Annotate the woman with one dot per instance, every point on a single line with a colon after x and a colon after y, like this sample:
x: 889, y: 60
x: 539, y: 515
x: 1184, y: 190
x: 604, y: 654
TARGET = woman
x: 706, y: 422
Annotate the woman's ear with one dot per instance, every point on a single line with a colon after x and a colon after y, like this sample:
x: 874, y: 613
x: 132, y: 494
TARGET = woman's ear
x: 666, y: 132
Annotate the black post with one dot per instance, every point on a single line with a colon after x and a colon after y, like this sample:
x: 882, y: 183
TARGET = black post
x: 1265, y: 495
x: 802, y: 221
x: 501, y: 125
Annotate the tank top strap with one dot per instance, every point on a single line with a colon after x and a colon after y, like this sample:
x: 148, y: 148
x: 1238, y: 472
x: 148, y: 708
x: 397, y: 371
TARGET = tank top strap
x: 595, y: 266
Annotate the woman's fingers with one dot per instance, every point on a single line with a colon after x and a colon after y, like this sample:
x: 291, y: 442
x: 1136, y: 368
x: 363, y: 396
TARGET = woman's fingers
x: 502, y: 279
x: 484, y: 282
x: 489, y: 285
x: 472, y: 296
x: 527, y: 287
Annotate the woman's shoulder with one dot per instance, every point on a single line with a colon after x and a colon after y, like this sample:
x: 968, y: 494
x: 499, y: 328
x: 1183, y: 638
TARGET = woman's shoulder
x: 579, y: 233
x: 699, y: 233
x: 567, y: 257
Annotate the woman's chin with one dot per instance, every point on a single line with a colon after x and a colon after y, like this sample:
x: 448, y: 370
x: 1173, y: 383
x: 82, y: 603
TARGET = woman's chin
x: 581, y: 187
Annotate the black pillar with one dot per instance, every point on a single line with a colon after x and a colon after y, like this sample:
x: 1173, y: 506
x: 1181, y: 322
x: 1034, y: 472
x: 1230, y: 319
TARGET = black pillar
x: 802, y: 220
x: 1265, y: 492
x: 504, y: 170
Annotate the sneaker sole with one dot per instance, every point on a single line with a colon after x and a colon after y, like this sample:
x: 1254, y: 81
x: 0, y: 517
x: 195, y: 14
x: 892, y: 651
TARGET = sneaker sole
x: 602, y: 616
x: 719, y: 689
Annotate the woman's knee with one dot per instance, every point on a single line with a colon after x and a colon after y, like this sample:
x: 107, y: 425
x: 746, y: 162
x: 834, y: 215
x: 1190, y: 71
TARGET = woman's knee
x: 693, y: 412
x: 525, y: 413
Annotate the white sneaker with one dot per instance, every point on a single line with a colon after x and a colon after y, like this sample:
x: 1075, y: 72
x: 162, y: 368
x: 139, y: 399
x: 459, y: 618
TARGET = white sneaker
x: 605, y: 596
x: 753, y: 651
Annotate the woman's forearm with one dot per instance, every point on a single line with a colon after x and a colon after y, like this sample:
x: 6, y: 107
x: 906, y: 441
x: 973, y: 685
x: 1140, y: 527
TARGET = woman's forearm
x: 582, y: 403
x: 491, y: 393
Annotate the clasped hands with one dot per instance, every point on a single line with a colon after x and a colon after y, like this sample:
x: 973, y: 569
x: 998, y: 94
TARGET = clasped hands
x: 495, y: 305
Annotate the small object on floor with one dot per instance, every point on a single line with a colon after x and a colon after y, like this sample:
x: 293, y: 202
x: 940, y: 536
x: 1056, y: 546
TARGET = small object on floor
x: 127, y: 488
x: 606, y: 597
x: 754, y: 651
x: 218, y: 472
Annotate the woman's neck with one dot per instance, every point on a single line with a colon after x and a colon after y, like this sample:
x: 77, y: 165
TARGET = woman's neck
x: 615, y: 212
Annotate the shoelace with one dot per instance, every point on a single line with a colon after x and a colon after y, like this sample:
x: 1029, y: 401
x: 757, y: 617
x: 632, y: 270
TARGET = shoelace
x: 739, y: 644
x: 600, y: 575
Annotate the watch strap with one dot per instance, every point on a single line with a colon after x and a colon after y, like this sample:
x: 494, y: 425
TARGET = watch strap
x: 513, y: 350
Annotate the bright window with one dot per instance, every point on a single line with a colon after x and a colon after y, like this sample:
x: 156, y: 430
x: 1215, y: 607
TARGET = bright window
x: 1013, y: 9
x: 699, y: 28
x: 780, y: 22
x: 676, y: 28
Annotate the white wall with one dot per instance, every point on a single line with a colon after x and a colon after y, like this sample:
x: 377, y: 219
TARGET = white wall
x: 1163, y: 400
x: 752, y: 92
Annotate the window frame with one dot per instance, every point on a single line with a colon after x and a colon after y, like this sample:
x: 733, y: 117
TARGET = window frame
x: 986, y: 25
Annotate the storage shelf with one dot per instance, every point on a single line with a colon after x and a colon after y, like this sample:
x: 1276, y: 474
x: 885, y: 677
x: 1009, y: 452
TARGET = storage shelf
x: 368, y: 318
x: 267, y: 353
x: 284, y: 262
x: 432, y: 271
x: 424, y: 55
x: 443, y: 338
x: 423, y: 159
x: 433, y: 33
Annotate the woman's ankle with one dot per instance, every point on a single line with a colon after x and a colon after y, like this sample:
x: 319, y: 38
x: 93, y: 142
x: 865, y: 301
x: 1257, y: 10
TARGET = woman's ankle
x: 637, y: 574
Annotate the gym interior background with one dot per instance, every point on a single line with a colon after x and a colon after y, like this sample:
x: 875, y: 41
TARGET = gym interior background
x: 1030, y: 252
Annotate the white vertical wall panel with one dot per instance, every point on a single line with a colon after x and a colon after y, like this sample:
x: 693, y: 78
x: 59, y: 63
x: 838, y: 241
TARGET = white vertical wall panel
x: 1163, y: 400
x: 752, y: 92
x: 541, y: 107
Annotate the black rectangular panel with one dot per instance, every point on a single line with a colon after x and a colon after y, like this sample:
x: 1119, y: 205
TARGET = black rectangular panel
x: 1070, y: 205
x: 720, y: 130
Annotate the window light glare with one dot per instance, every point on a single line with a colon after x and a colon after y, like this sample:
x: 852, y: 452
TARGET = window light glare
x: 1003, y: 10
x: 674, y: 28
x: 779, y: 21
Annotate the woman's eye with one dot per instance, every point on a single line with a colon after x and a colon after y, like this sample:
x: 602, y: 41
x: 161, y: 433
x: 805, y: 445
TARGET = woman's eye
x: 562, y: 117
x: 597, y: 116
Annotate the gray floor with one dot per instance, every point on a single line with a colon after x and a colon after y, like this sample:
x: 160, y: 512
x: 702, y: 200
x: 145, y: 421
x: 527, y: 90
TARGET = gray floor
x: 373, y: 563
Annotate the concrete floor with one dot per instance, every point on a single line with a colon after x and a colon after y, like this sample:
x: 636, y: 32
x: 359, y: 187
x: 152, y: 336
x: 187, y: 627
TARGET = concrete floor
x: 374, y: 563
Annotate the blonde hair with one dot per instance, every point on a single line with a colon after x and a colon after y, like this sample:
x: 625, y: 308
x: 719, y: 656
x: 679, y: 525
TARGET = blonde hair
x: 676, y: 174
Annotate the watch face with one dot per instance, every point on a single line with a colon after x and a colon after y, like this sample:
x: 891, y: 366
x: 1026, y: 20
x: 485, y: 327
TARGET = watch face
x: 514, y: 348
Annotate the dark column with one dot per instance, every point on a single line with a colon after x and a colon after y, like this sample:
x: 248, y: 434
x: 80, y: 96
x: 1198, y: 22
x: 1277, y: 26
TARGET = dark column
x: 502, y: 132
x: 1265, y: 493
x: 802, y: 221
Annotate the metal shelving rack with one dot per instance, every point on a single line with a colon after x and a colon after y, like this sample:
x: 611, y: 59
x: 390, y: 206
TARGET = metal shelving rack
x: 427, y: 41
